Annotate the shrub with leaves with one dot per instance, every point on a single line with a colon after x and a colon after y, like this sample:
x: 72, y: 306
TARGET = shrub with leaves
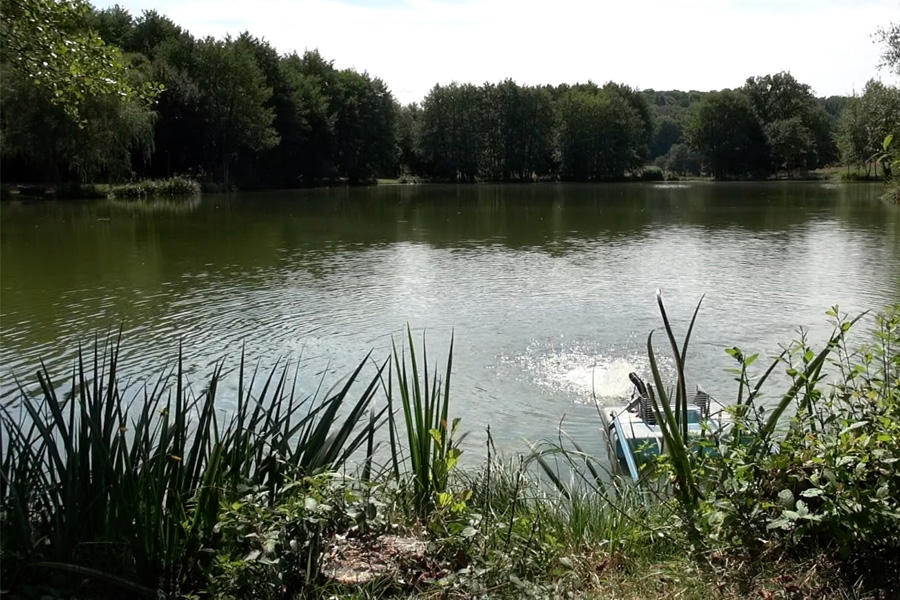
x: 270, y: 551
x: 819, y: 466
x: 155, y: 188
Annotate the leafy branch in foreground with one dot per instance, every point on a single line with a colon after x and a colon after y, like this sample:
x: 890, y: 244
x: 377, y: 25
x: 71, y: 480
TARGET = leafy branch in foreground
x: 49, y: 42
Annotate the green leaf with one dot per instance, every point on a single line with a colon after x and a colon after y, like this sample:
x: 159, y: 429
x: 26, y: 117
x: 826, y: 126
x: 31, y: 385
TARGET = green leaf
x: 854, y: 427
x: 436, y: 435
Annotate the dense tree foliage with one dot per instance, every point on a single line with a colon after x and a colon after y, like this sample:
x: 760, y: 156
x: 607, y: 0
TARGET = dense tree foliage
x: 72, y: 106
x: 890, y: 40
x: 797, y: 128
x: 232, y: 110
x: 508, y: 132
x: 602, y: 135
x: 725, y: 128
x: 450, y: 132
x: 138, y: 96
x: 865, y: 123
x: 233, y: 101
x: 671, y: 111
x: 50, y: 44
x: 517, y: 130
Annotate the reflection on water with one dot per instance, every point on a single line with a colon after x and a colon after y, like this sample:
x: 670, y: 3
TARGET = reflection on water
x: 160, y: 205
x: 548, y: 288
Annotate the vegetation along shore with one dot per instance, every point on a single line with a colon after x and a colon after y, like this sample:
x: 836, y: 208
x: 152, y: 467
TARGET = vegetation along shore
x: 160, y: 484
x: 145, y: 99
x: 148, y: 490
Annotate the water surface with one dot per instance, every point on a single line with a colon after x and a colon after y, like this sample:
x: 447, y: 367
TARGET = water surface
x: 548, y: 289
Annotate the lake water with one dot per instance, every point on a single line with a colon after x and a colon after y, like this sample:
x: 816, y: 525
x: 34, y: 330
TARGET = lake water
x: 549, y: 289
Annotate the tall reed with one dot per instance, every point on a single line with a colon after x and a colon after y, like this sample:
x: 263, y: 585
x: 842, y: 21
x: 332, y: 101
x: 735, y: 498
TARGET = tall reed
x: 425, y: 401
x: 138, y: 474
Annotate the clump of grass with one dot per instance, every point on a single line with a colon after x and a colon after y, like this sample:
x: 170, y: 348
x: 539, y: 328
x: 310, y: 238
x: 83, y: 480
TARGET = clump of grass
x: 155, y: 188
x: 103, y: 473
x: 431, y: 448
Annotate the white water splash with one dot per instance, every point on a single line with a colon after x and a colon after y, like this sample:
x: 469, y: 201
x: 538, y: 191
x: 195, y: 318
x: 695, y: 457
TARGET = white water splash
x: 585, y: 374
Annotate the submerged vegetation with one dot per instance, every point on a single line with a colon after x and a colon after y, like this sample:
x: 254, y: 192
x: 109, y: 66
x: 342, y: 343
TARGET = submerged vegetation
x: 147, y: 489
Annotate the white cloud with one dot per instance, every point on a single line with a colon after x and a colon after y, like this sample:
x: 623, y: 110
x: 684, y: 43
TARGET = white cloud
x: 694, y: 44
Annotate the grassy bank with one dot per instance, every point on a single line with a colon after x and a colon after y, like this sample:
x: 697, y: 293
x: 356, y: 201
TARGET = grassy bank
x: 109, y: 490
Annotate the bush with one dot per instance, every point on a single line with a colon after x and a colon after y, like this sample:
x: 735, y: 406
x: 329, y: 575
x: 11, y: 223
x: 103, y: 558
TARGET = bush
x: 819, y: 469
x: 263, y: 549
x: 155, y: 188
x: 652, y: 174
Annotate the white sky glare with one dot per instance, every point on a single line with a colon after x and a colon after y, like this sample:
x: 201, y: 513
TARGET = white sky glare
x: 661, y: 44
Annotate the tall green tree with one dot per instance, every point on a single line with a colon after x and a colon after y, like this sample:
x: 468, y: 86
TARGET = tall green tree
x: 852, y: 138
x: 516, y: 125
x: 865, y: 124
x: 533, y: 149
x: 725, y: 128
x: 638, y: 103
x: 450, y: 132
x: 364, y: 127
x: 282, y: 164
x: 114, y: 25
x: 408, y: 133
x: 233, y: 102
x: 314, y: 84
x: 790, y: 114
x: 601, y: 135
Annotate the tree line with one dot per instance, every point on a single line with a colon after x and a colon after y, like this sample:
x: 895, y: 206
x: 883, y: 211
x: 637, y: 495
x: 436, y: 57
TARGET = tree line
x: 144, y: 98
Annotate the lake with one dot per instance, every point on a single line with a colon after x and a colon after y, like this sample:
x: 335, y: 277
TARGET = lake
x: 548, y: 288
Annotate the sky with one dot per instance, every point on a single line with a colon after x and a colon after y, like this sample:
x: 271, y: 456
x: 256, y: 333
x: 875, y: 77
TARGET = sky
x: 660, y: 44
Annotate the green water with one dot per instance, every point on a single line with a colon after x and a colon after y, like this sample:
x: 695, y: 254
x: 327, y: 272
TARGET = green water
x: 549, y: 289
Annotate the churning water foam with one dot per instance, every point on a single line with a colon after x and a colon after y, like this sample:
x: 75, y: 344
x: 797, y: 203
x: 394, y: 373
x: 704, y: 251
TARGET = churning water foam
x: 585, y: 374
